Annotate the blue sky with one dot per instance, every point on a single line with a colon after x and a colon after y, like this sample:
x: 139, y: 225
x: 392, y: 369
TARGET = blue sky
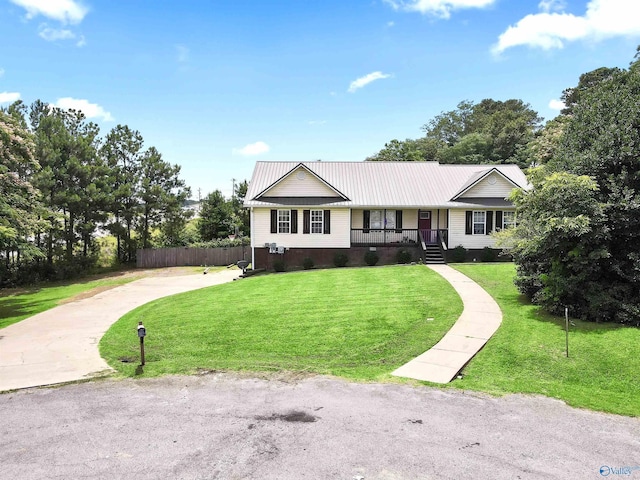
x: 217, y: 85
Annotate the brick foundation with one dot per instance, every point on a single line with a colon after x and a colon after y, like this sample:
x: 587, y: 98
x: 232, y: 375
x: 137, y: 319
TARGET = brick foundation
x: 323, y: 257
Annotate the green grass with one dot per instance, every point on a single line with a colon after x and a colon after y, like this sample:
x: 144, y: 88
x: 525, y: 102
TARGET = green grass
x: 357, y: 323
x: 527, y: 353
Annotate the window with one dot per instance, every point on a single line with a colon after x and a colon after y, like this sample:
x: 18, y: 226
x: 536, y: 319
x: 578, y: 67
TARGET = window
x: 508, y: 219
x: 390, y: 219
x: 317, y: 221
x: 479, y: 219
x: 375, y: 221
x: 284, y: 221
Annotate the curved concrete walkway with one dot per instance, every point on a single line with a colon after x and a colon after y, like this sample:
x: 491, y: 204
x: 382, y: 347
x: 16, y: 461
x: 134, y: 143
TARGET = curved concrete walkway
x: 480, y: 319
x: 61, y: 344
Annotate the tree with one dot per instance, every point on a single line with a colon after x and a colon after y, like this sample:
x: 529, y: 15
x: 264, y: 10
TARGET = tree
x: 162, y: 194
x: 215, y: 217
x: 602, y: 260
x: 122, y: 151
x: 419, y: 150
x: 491, y: 131
x: 558, y: 244
x: 19, y: 200
x: 240, y: 214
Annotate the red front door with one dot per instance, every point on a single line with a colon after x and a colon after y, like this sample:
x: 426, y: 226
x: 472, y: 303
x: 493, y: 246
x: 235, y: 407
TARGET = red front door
x: 424, y: 225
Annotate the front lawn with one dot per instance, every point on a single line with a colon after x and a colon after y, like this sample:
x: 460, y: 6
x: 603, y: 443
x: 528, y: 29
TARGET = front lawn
x: 527, y: 353
x: 357, y: 323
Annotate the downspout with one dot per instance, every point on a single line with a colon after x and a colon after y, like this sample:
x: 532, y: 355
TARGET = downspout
x: 253, y: 248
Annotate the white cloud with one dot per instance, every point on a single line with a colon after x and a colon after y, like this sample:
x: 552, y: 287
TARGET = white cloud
x: 390, y: 24
x: 81, y: 41
x: 556, y: 104
x: 317, y: 122
x: 9, y: 97
x: 65, y: 11
x: 54, y: 34
x: 1, y: 72
x: 183, y: 53
x: 547, y: 30
x: 367, y: 79
x: 552, y: 5
x: 438, y: 8
x: 257, y: 148
x: 91, y: 110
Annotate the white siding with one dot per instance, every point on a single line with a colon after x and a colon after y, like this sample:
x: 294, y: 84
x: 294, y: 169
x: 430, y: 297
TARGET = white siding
x: 500, y: 189
x: 300, y: 183
x: 340, y: 236
x: 458, y: 237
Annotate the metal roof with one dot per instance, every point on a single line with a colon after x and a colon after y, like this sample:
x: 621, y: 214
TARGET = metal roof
x: 388, y: 184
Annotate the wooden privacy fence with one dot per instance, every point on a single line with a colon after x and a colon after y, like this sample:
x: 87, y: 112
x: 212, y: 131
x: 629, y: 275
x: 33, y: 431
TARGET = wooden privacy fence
x: 181, y: 256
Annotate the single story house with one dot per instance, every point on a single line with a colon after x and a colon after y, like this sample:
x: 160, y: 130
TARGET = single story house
x: 315, y: 209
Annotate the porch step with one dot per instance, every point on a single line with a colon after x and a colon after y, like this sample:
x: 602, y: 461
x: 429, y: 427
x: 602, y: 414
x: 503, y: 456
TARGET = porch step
x: 432, y: 255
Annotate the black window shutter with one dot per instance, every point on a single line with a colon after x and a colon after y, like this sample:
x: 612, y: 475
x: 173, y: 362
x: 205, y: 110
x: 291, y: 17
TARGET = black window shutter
x: 499, y: 220
x: 468, y: 227
x: 366, y: 220
x: 306, y: 221
x: 327, y: 221
x: 489, y: 225
x: 274, y: 221
x: 294, y: 221
x: 398, y: 221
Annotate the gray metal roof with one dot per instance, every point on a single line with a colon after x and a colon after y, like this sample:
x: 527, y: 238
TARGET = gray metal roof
x: 388, y: 184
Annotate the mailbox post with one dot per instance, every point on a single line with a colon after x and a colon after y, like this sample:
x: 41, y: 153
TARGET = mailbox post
x: 141, y: 334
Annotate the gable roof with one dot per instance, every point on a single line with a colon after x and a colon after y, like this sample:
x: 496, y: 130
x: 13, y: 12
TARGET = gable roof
x: 384, y: 184
x: 303, y: 166
x: 478, y: 177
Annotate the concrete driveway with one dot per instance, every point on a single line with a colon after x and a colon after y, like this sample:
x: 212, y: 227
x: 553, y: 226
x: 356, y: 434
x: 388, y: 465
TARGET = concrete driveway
x: 229, y: 427
x: 61, y: 344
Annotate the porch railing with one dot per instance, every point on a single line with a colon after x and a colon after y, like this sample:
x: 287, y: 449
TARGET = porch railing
x: 390, y: 237
x: 438, y: 236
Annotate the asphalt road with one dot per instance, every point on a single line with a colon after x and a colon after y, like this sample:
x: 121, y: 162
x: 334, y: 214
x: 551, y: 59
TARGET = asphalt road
x: 220, y: 426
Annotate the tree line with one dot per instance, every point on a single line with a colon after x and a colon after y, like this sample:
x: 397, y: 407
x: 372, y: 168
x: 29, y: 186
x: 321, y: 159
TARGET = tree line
x: 63, y: 187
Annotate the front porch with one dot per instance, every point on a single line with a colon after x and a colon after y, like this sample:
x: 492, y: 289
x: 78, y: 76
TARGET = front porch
x: 363, y: 237
x: 433, y: 243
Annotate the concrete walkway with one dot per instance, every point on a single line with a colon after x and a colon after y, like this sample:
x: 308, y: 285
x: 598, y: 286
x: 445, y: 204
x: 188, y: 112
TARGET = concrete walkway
x: 480, y: 319
x: 61, y: 344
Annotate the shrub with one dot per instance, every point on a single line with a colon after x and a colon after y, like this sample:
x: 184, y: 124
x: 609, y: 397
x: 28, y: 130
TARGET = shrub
x: 403, y: 256
x: 340, y: 259
x: 488, y: 255
x: 459, y: 254
x: 279, y: 266
x: 307, y: 263
x: 371, y: 258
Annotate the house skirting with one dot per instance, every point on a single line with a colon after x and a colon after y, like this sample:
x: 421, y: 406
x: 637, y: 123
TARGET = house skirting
x: 293, y: 258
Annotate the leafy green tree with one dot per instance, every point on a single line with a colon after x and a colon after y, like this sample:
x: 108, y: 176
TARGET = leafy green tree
x: 559, y: 242
x: 216, y: 217
x: 487, y: 132
x: 19, y: 200
x: 240, y: 214
x: 599, y: 253
x: 419, y: 150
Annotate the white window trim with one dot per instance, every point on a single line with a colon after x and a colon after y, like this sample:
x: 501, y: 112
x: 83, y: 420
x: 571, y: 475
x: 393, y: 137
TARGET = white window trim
x: 474, y: 223
x: 510, y: 224
x: 284, y: 222
x: 321, y: 222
